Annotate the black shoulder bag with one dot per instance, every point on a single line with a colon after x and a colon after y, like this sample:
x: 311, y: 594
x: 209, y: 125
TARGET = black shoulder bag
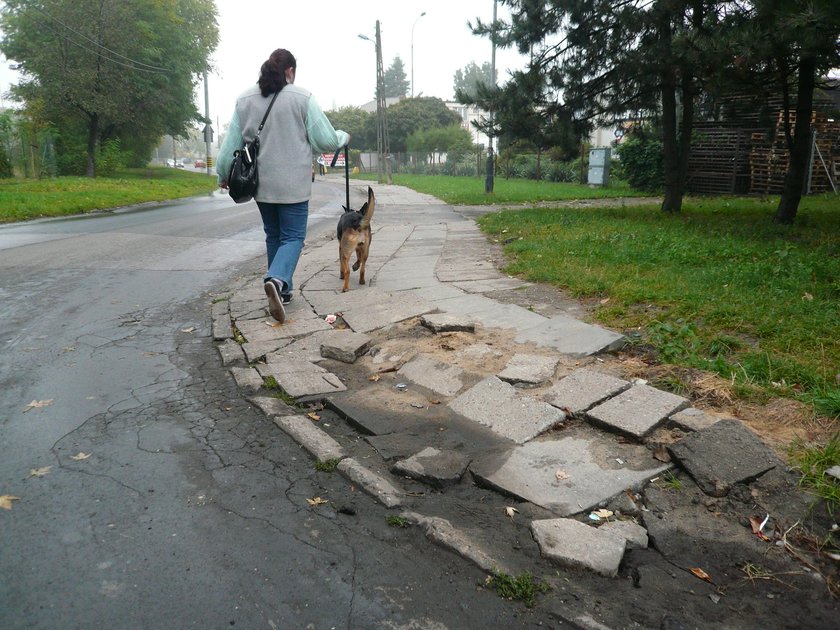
x: 243, y: 178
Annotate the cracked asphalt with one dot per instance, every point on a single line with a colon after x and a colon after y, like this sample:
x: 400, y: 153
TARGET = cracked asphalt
x: 165, y: 499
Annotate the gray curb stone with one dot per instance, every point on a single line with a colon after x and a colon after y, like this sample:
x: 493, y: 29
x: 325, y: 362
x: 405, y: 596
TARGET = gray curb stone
x: 301, y: 429
x: 441, y: 532
x: 231, y: 352
x: 375, y: 485
x: 247, y: 378
x: 271, y: 406
x: 572, y: 543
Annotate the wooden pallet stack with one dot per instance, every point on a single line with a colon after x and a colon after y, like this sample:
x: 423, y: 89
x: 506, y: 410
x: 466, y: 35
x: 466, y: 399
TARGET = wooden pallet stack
x: 718, y: 164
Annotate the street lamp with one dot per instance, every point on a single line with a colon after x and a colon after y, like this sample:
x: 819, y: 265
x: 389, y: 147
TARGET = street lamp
x: 491, y: 166
x: 412, y: 52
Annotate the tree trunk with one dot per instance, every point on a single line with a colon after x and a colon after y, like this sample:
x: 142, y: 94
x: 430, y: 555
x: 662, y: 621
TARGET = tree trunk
x: 93, y: 139
x: 539, y: 165
x: 672, y: 201
x: 798, y: 164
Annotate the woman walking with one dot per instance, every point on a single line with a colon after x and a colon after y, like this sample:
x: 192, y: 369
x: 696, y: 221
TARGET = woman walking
x: 295, y: 127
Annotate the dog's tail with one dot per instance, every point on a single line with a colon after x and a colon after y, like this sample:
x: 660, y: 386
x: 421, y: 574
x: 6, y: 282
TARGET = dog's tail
x: 367, y: 209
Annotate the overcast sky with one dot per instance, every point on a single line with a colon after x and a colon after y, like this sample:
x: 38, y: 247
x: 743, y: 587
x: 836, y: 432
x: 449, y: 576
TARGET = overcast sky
x: 333, y: 63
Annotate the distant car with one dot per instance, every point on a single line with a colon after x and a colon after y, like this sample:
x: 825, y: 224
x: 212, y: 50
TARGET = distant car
x: 200, y: 164
x: 175, y: 163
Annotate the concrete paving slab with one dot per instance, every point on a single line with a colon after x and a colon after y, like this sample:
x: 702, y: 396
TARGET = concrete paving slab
x: 501, y: 283
x: 722, y: 455
x: 300, y: 378
x: 582, y: 389
x: 247, y: 378
x: 490, y: 313
x: 256, y: 350
x: 231, y: 352
x: 692, y: 419
x: 407, y: 282
x: 432, y: 294
x: 267, y: 330
x: 302, y: 430
x: 307, y: 348
x: 390, y: 312
x: 571, y: 474
x: 574, y: 544
x: 466, y: 270
x: 375, y: 485
x: 344, y: 345
x: 448, y: 322
x: 330, y: 302
x: 497, y: 405
x: 635, y: 535
x: 434, y: 375
x: 636, y: 411
x: 529, y: 369
x: 441, y: 532
x: 434, y: 467
x: 571, y: 336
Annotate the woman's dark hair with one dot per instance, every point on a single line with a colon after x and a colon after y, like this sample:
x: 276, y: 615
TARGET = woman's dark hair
x: 273, y: 71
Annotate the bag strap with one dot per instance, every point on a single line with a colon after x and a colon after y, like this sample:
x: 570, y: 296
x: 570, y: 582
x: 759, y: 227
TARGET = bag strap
x: 259, y: 129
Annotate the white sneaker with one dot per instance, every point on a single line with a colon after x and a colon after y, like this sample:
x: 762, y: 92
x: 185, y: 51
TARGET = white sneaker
x: 275, y: 302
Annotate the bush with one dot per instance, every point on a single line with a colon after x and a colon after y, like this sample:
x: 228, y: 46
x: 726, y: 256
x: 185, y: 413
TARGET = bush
x: 110, y: 158
x: 642, y: 163
x: 5, y: 164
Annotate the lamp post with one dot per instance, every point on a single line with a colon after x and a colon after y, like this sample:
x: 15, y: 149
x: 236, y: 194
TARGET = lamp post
x: 412, y: 52
x: 488, y: 182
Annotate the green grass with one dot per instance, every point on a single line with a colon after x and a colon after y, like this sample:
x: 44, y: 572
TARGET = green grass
x: 397, y: 521
x: 524, y: 587
x: 718, y: 287
x: 22, y: 199
x: 812, y: 462
x: 328, y: 465
x: 470, y: 190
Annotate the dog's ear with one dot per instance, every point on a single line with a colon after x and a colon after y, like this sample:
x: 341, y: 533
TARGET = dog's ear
x: 363, y: 209
x: 346, y: 209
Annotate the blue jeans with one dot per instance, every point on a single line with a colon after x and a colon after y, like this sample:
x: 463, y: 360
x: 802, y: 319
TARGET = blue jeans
x: 285, y: 231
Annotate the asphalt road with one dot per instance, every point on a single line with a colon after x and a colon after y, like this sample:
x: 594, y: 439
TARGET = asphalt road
x: 160, y: 498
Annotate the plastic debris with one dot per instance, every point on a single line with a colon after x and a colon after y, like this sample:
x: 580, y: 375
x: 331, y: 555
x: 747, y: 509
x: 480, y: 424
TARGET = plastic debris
x: 510, y: 511
x: 330, y: 319
x: 401, y: 386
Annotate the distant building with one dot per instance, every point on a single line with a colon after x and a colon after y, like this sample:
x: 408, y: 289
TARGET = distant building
x: 469, y: 114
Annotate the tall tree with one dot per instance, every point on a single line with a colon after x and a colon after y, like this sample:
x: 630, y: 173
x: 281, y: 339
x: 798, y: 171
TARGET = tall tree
x: 110, y: 67
x: 417, y: 114
x: 613, y: 59
x: 396, y: 83
x: 358, y: 123
x: 466, y: 80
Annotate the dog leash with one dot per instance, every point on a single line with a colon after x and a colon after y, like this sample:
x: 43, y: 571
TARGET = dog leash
x: 346, y: 171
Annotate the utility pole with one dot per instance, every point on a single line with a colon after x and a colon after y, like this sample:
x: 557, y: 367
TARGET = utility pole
x: 488, y: 182
x: 208, y: 127
x: 382, y: 145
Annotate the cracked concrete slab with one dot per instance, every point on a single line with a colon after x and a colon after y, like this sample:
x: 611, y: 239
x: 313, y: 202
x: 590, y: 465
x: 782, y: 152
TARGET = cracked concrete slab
x: 498, y: 405
x: 529, y: 369
x: 434, y: 467
x: 383, y: 314
x: 344, y: 345
x: 299, y: 378
x: 439, y: 377
x: 692, y: 419
x: 582, y: 389
x: 575, y: 544
x: 448, y: 322
x: 637, y: 411
x: 570, y: 474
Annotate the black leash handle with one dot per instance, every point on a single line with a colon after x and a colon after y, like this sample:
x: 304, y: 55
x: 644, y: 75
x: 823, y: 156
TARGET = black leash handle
x: 346, y: 171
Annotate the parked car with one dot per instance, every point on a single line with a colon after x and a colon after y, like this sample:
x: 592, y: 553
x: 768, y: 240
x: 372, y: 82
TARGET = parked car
x: 175, y: 163
x: 200, y: 164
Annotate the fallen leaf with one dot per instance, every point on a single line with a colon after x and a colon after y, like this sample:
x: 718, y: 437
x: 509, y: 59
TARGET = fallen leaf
x: 6, y: 501
x: 561, y: 475
x: 80, y: 456
x: 702, y: 575
x: 435, y: 402
x: 603, y: 513
x: 317, y: 501
x: 188, y: 330
x: 313, y: 416
x: 661, y: 453
x: 510, y: 511
x: 39, y: 472
x: 808, y: 297
x: 374, y: 378
x: 36, y: 404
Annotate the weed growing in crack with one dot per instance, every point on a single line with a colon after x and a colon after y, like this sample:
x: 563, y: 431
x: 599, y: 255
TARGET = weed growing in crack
x: 397, y: 521
x: 270, y: 383
x: 328, y: 465
x: 812, y: 461
x: 524, y: 587
x: 672, y: 481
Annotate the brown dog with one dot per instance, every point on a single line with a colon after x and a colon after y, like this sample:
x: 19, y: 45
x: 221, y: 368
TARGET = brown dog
x: 354, y: 236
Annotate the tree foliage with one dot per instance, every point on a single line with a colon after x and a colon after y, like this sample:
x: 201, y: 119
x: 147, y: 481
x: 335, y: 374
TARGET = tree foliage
x: 396, y: 83
x: 110, y: 69
x: 416, y: 114
x: 466, y: 80
x: 361, y: 125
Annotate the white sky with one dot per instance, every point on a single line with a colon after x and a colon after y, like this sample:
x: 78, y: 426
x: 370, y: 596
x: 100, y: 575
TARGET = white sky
x: 333, y: 63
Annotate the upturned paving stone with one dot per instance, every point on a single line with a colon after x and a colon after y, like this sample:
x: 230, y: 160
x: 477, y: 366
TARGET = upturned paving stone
x: 722, y: 455
x: 571, y: 336
x: 569, y: 475
x: 692, y: 419
x: 380, y: 315
x: 220, y: 321
x: 492, y: 284
x: 497, y: 405
x: 490, y: 313
x: 441, y: 531
x: 344, y: 345
x: 271, y: 406
x: 448, y: 322
x: 575, y: 544
x: 231, y: 352
x: 299, y: 378
x: 434, y: 375
x: 636, y: 411
x: 433, y: 467
x: 375, y: 485
x: 635, y: 535
x: 529, y: 369
x: 247, y: 378
x: 583, y: 389
x: 302, y: 430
